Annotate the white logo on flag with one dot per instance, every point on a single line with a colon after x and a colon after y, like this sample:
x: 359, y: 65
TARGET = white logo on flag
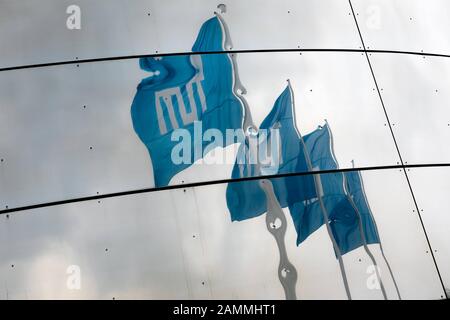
x: 164, y: 98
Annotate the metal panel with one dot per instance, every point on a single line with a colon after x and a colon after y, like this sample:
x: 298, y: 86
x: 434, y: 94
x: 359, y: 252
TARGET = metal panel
x: 431, y: 187
x: 416, y: 96
x: 68, y: 130
x: 404, y: 25
x: 182, y: 244
x: 37, y: 33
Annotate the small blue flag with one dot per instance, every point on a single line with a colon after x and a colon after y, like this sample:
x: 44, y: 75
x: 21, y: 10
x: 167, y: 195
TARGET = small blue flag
x: 278, y: 133
x: 191, y: 92
x: 356, y: 191
x: 342, y: 214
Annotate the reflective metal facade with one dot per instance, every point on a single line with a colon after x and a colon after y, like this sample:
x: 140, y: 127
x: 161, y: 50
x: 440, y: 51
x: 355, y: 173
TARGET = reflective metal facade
x: 66, y: 133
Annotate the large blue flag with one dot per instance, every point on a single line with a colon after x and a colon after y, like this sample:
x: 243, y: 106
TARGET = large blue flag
x: 192, y: 92
x: 342, y: 214
x: 246, y: 199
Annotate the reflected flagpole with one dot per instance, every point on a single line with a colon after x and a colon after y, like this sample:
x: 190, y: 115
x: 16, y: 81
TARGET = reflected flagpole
x: 376, y: 230
x: 358, y: 213
x: 319, y: 197
x: 186, y: 270
x: 287, y: 274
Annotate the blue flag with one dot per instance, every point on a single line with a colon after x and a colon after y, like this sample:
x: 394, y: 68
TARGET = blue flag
x: 355, y: 189
x: 342, y: 214
x: 278, y: 133
x: 191, y: 92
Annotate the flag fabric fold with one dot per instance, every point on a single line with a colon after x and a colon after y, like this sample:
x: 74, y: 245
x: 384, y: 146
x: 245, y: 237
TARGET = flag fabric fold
x: 343, y: 215
x: 181, y: 92
x: 246, y: 199
x: 355, y: 190
x: 342, y: 195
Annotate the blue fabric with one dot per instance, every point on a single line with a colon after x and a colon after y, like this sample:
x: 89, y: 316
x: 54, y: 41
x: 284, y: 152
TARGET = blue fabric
x: 192, y: 77
x: 356, y: 191
x: 307, y: 215
x: 343, y: 217
x: 246, y: 199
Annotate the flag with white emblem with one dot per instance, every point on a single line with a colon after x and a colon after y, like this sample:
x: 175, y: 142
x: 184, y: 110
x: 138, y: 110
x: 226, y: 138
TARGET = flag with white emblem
x: 184, y: 96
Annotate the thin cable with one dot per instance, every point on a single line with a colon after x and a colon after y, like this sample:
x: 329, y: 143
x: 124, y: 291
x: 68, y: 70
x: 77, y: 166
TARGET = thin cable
x: 183, y: 258
x: 398, y: 151
x: 378, y: 234
x: 376, y: 230
x: 128, y: 57
x: 212, y: 182
x: 358, y: 213
x: 317, y: 185
x: 197, y: 210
